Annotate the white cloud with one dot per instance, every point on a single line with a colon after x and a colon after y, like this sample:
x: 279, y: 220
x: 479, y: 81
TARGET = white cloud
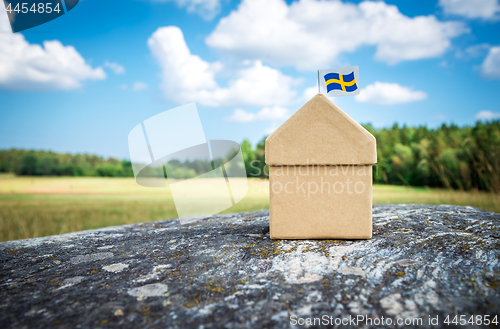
x: 115, y: 67
x: 487, y: 115
x: 310, y: 34
x: 484, y: 9
x: 473, y: 51
x: 477, y: 50
x: 207, y: 9
x: 138, y: 86
x: 388, y: 93
x: 490, y: 68
x: 275, y: 113
x: 309, y: 93
x: 188, y: 78
x: 53, y: 66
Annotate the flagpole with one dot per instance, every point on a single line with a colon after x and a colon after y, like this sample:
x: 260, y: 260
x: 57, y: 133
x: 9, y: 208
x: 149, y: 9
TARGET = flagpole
x: 318, y: 83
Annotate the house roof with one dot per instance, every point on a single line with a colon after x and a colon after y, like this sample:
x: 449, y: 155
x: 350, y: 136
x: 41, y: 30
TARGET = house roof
x: 320, y: 133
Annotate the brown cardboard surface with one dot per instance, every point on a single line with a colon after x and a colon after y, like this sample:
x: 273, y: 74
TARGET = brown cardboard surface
x: 320, y: 133
x: 320, y: 175
x: 320, y: 202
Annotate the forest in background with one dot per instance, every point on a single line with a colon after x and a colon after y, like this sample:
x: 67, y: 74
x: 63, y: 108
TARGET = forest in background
x: 453, y: 157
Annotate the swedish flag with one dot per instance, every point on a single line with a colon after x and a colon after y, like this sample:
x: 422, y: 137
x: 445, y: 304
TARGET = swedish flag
x: 337, y: 81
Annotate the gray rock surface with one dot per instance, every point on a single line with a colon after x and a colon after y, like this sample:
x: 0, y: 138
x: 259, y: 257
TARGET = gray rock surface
x: 224, y: 271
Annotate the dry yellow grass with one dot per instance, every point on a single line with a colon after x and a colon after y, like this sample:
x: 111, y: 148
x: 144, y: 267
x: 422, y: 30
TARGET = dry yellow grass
x: 39, y: 206
x: 387, y: 194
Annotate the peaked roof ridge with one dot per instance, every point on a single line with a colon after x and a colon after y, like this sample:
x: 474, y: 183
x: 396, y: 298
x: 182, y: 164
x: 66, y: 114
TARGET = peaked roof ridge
x: 322, y: 131
x: 304, y: 108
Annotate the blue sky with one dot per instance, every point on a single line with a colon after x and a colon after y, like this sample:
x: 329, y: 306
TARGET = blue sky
x: 81, y: 82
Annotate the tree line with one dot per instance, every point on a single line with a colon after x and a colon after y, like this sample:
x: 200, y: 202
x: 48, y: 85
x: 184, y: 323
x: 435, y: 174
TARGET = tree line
x: 449, y: 156
x: 43, y: 163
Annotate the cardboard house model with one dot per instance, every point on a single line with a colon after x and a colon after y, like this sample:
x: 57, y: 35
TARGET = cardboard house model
x: 320, y: 175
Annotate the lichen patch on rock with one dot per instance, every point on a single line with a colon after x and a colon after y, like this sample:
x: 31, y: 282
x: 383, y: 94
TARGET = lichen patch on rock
x: 149, y: 290
x: 118, y: 267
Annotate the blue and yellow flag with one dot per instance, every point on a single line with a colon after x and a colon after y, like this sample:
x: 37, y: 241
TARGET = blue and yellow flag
x: 339, y: 82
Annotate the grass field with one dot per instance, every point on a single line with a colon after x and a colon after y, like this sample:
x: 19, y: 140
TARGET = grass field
x: 39, y: 206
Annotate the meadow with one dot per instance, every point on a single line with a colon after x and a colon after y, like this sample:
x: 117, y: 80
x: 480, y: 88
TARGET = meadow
x: 40, y: 206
